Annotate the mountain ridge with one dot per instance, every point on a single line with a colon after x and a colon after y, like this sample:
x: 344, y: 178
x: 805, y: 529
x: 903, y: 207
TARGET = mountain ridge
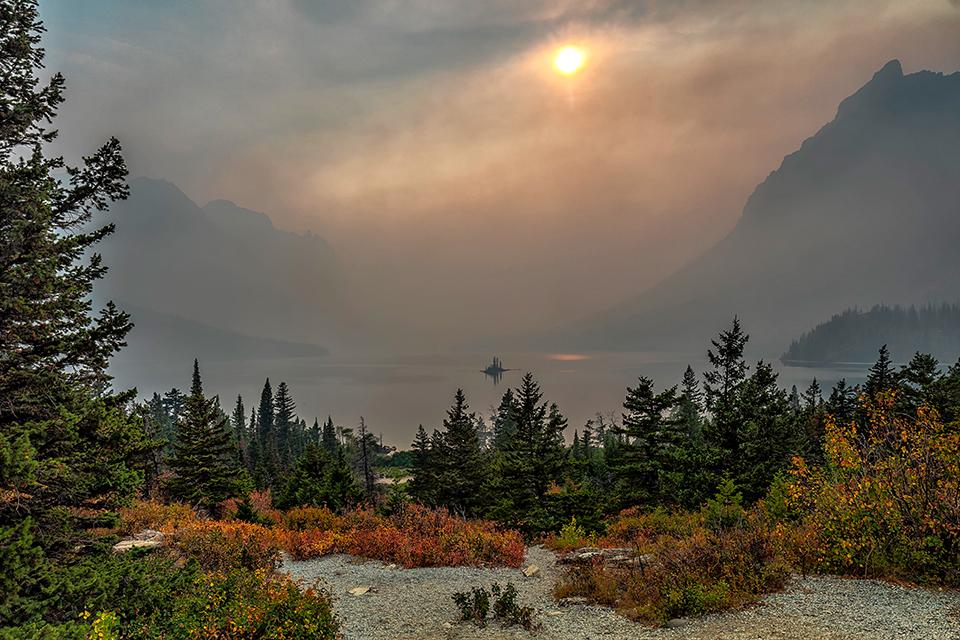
x: 880, y: 180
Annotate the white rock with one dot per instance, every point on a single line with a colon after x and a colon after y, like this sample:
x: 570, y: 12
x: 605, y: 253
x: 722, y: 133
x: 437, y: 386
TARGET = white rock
x: 126, y: 545
x: 531, y: 571
x: 358, y: 591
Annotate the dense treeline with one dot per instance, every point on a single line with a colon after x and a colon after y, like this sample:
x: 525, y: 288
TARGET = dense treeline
x: 672, y: 447
x: 205, y: 456
x: 853, y: 336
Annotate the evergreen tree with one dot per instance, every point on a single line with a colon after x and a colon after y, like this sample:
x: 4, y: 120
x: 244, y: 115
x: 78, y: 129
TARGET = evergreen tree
x: 812, y: 421
x: 461, y: 480
x: 319, y: 480
x: 649, y: 466
x: 423, y: 486
x: 769, y: 434
x: 70, y: 449
x: 164, y: 423
x: 882, y: 376
x: 328, y: 438
x: 813, y: 397
x: 794, y: 399
x: 690, y: 408
x: 204, y: 456
x: 842, y: 404
x: 239, y: 421
x: 576, y: 452
x: 920, y: 382
x: 313, y: 434
x: 366, y: 460
x: 722, y: 388
x: 174, y: 401
x: 535, y: 456
x: 266, y: 464
x: 284, y: 425
x: 503, y: 425
x: 586, y: 440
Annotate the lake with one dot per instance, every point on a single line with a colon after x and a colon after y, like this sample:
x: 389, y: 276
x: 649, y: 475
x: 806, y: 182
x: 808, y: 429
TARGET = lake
x: 396, y: 393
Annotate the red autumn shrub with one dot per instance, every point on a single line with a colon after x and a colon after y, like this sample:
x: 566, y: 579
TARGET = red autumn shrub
x: 417, y: 537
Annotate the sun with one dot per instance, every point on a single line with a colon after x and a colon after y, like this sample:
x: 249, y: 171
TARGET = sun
x: 569, y: 60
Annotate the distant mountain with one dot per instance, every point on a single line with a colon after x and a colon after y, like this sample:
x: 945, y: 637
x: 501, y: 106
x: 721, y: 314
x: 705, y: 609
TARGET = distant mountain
x: 160, y: 336
x: 221, y: 266
x: 855, y: 336
x: 867, y: 209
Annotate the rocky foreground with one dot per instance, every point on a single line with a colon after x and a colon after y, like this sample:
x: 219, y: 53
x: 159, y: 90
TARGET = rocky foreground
x: 383, y: 602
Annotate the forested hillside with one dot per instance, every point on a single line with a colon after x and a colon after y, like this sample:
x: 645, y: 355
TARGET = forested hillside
x: 853, y: 335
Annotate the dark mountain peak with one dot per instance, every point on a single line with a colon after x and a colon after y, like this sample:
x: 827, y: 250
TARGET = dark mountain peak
x: 892, y: 69
x: 160, y: 189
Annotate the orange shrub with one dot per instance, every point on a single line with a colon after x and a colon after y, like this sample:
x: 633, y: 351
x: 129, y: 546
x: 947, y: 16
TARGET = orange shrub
x: 151, y: 514
x: 223, y: 546
x: 887, y: 501
x: 305, y: 518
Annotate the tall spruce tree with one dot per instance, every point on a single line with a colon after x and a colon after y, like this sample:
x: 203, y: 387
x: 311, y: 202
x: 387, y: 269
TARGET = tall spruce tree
x: 721, y: 391
x: 239, y: 421
x: 650, y: 464
x: 423, y: 486
x: 284, y: 425
x: 503, y: 425
x: 204, y: 459
x: 70, y: 449
x: 842, y: 403
x: 690, y: 408
x: 535, y: 456
x: 769, y: 432
x: 460, y: 486
x: 266, y: 463
x: 919, y: 382
x: 882, y: 376
x: 328, y: 437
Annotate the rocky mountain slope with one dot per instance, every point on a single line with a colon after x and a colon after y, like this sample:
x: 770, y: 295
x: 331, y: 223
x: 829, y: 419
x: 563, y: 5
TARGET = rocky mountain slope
x: 866, y: 211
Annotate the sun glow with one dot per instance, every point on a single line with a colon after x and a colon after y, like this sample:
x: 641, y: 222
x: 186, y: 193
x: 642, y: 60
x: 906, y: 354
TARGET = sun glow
x: 569, y: 60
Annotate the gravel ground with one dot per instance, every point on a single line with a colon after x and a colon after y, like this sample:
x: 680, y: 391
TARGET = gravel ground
x: 408, y: 604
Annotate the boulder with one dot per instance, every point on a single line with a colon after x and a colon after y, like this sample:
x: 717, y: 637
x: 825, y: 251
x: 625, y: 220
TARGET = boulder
x: 146, y: 539
x: 531, y: 571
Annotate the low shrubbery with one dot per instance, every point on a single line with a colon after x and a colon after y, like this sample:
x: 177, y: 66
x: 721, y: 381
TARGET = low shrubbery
x: 414, y: 537
x: 688, y: 563
x: 475, y: 605
x: 886, y: 503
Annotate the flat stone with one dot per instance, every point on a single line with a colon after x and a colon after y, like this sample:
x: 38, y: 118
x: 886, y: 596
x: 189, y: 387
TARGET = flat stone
x: 531, y: 571
x: 149, y: 534
x: 126, y: 545
x: 358, y: 591
x: 675, y: 623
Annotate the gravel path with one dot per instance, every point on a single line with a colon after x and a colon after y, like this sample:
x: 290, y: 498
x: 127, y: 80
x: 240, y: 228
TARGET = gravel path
x: 415, y: 604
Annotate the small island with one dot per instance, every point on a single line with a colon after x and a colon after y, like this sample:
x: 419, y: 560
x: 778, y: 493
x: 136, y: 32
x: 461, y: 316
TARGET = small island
x: 495, y: 370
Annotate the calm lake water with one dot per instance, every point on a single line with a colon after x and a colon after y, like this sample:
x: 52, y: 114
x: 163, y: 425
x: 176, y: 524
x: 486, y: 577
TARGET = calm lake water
x: 395, y: 394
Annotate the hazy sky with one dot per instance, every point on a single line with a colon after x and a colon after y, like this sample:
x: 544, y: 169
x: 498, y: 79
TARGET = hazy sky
x: 466, y: 187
